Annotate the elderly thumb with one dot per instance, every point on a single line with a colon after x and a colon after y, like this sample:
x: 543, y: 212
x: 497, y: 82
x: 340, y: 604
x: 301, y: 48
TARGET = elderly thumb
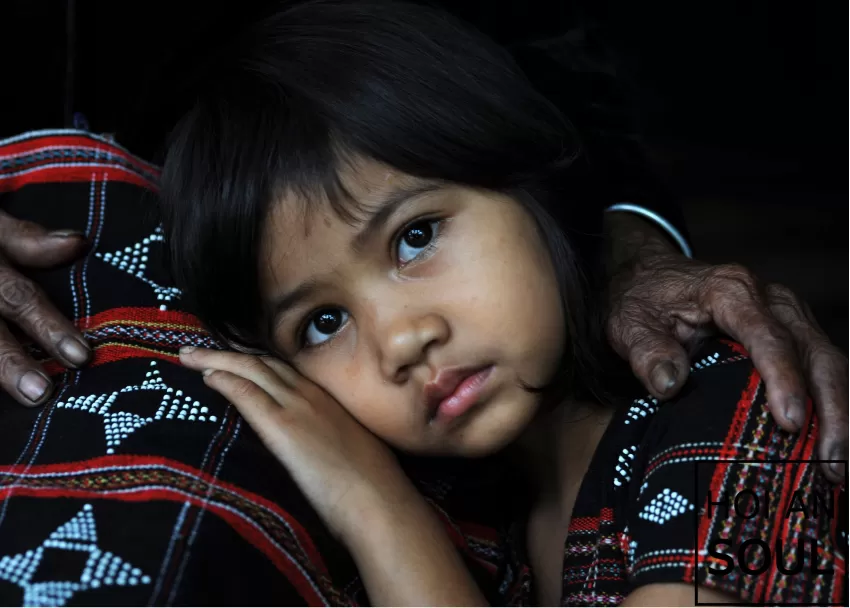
x: 660, y: 363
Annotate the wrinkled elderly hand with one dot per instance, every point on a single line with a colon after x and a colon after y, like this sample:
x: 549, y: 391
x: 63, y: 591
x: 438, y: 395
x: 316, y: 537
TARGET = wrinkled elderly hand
x: 25, y: 244
x: 661, y: 300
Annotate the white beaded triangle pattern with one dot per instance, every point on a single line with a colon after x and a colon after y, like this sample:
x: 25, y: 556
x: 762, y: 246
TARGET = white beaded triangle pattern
x: 78, y: 535
x: 119, y: 425
x: 133, y: 259
x: 664, y: 507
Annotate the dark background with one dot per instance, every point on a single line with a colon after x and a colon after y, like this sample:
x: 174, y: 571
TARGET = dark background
x: 743, y: 104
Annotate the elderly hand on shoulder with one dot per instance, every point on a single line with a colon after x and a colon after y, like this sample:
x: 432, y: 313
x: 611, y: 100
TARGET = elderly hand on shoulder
x: 661, y: 300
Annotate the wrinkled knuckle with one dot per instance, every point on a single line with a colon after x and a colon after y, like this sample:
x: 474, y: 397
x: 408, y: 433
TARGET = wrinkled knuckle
x: 734, y: 271
x: 627, y: 327
x: 776, y: 335
x: 44, y: 327
x: 734, y: 277
x: 642, y: 341
x: 12, y: 362
x: 249, y: 364
x: 18, y: 295
x: 645, y: 348
x: 780, y: 294
x: 242, y: 388
x: 822, y: 352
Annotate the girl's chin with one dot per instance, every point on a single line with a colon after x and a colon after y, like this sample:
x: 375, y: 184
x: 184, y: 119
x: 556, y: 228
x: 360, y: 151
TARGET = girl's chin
x: 464, y: 446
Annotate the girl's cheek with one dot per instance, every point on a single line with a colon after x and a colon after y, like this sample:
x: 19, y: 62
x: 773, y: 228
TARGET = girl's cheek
x: 337, y: 373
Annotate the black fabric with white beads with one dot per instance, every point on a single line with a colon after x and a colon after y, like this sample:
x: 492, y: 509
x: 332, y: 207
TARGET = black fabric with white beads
x: 641, y: 408
x: 119, y: 425
x: 623, y: 468
x: 667, y: 505
x: 134, y: 259
x: 79, y: 534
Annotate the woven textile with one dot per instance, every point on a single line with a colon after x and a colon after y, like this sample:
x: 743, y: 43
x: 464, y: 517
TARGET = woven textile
x: 668, y: 480
x: 136, y: 484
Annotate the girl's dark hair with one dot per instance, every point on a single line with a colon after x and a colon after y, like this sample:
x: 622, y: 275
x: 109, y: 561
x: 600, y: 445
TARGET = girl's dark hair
x: 405, y: 84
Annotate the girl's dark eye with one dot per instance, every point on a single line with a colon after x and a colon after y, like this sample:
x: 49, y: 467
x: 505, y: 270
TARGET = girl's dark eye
x: 415, y: 238
x: 412, y: 242
x: 322, y: 325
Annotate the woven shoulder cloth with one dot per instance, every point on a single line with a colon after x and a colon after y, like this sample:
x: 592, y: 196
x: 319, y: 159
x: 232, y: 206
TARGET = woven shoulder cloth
x: 136, y: 484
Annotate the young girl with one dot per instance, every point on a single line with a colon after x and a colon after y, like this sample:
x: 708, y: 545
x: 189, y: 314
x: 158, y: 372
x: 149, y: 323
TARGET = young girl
x: 373, y: 197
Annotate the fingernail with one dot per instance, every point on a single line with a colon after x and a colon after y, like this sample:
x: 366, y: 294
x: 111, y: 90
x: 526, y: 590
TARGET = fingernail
x: 837, y: 468
x: 64, y: 234
x: 207, y: 372
x: 185, y: 350
x: 74, y: 351
x: 663, y: 377
x: 33, y: 386
x: 795, y: 412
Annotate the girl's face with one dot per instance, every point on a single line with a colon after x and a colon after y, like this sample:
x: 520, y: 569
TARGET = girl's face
x: 452, y: 278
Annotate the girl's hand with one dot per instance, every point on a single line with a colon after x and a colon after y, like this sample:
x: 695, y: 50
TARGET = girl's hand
x: 346, y: 472
x: 349, y: 475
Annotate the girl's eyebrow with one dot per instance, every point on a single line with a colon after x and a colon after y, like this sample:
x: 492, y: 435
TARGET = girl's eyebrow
x: 385, y: 209
x: 289, y: 300
x: 381, y: 212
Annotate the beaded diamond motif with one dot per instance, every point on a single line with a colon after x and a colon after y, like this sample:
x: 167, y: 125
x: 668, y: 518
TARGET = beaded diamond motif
x: 664, y: 507
x: 78, y: 535
x: 118, y: 425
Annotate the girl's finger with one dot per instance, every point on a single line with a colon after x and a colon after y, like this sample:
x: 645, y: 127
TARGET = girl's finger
x: 286, y: 372
x: 257, y: 407
x: 249, y: 367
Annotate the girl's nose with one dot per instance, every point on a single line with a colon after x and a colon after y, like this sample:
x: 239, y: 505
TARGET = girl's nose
x: 407, y: 340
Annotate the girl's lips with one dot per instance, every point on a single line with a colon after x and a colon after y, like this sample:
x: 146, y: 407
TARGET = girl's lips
x: 466, y: 395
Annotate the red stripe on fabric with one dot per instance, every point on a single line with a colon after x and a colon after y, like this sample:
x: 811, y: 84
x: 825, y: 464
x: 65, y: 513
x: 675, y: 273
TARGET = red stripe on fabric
x: 247, y: 531
x: 761, y: 590
x: 29, y: 146
x: 142, y: 314
x: 63, y: 157
x: 672, y: 454
x: 803, y: 449
x: 109, y: 354
x: 136, y: 461
x: 838, y: 576
x: 733, y: 437
x: 838, y: 568
x: 75, y: 173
